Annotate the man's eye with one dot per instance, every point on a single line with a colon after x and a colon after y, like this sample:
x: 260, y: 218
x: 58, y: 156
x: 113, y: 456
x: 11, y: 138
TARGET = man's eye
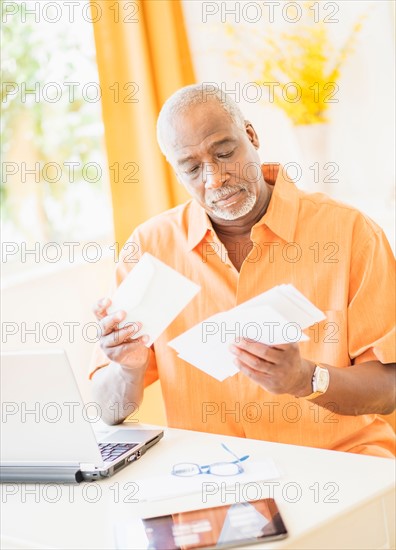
x: 225, y: 155
x: 192, y: 170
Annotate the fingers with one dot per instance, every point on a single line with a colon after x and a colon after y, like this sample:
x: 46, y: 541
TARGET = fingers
x: 243, y: 358
x: 278, y: 369
x: 130, y: 353
x: 261, y: 378
x: 100, y: 308
x: 246, y: 347
x: 123, y: 336
x: 111, y: 322
x: 287, y: 347
x: 120, y: 344
x: 260, y: 357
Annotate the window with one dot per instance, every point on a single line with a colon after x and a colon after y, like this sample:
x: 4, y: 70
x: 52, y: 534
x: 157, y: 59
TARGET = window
x: 54, y: 185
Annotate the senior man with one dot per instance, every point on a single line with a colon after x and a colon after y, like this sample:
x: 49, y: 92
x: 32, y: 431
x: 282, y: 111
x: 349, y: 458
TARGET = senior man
x: 244, y: 231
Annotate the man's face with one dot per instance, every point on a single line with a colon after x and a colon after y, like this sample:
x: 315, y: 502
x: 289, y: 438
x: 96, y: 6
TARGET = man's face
x: 216, y: 161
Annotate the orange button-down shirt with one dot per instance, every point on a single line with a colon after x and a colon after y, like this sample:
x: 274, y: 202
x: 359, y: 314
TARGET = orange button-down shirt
x: 337, y: 257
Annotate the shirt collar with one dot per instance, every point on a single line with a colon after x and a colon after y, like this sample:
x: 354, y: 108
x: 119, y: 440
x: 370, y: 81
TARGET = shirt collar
x: 281, y: 215
x: 282, y: 212
x: 198, y: 224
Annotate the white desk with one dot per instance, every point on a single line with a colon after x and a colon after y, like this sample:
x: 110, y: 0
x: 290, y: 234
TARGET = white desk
x: 362, y: 517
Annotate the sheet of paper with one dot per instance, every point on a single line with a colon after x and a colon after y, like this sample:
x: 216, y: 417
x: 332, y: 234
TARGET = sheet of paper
x: 217, y: 362
x: 170, y: 486
x: 154, y: 294
x: 277, y: 316
x: 206, y: 346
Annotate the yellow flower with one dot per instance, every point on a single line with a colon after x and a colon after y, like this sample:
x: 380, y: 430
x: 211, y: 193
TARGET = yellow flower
x: 303, y: 64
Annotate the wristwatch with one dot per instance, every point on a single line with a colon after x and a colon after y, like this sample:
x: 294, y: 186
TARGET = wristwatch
x: 320, y: 382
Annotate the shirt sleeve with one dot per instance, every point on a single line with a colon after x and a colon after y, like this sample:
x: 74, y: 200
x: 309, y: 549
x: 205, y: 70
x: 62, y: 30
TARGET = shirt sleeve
x: 128, y: 259
x: 371, y: 312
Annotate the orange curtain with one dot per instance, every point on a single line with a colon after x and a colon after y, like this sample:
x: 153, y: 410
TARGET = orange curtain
x: 143, y: 57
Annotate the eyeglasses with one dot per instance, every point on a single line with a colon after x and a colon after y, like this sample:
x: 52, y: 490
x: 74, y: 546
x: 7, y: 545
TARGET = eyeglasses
x: 188, y: 469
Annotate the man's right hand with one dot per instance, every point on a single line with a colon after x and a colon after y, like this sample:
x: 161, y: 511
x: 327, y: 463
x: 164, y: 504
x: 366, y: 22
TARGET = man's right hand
x: 119, y: 344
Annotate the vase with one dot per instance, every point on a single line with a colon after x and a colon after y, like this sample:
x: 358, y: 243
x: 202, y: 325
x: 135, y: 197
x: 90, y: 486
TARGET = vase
x: 316, y: 168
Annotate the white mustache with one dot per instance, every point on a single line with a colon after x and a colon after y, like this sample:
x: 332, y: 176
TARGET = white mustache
x: 224, y: 192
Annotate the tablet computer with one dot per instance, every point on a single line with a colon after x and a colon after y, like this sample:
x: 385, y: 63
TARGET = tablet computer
x: 219, y: 527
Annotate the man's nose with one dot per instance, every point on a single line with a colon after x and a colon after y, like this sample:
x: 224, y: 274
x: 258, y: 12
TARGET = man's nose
x: 214, y: 175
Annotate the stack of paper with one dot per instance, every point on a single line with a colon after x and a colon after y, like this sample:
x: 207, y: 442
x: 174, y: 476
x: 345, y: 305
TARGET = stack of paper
x: 277, y: 316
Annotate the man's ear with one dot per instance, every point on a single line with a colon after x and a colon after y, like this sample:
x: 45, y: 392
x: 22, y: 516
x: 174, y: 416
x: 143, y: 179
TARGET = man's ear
x: 251, y: 134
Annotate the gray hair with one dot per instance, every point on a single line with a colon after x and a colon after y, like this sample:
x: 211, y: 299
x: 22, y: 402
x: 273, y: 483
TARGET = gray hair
x: 183, y: 98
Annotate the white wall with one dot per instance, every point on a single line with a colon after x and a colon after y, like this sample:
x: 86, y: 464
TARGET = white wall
x: 59, y: 296
x: 360, y: 136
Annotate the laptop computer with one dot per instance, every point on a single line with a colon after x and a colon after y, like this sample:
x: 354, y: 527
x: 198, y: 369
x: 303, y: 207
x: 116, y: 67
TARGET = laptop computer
x: 47, y: 430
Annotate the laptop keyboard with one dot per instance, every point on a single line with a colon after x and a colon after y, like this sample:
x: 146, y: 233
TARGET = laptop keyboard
x: 111, y: 451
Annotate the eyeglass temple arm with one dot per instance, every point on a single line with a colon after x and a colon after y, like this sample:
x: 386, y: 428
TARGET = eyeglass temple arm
x: 233, y: 454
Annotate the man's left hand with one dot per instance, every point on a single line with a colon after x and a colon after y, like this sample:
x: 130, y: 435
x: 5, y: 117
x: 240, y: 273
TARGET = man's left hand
x: 278, y: 369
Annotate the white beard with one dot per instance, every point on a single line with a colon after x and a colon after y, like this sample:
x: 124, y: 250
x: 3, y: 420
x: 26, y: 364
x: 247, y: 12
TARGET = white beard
x: 233, y: 212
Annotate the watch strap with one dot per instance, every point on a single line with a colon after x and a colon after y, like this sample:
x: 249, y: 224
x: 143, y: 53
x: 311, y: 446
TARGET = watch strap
x: 313, y: 395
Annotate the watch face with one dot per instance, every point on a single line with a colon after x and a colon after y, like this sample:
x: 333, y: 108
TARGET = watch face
x: 322, y: 380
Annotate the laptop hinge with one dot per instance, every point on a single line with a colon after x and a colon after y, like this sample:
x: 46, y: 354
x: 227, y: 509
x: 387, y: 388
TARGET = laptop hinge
x: 87, y: 467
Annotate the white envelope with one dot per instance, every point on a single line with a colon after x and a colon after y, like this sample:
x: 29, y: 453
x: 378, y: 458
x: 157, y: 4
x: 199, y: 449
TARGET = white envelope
x: 153, y: 294
x: 289, y: 303
x: 277, y: 316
